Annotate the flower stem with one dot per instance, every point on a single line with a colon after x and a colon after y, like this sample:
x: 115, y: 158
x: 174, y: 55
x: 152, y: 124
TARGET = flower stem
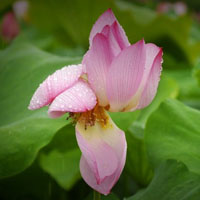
x: 96, y: 195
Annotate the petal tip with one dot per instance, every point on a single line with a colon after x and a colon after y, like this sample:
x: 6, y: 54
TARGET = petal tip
x: 142, y: 41
x: 109, y: 10
x: 30, y: 107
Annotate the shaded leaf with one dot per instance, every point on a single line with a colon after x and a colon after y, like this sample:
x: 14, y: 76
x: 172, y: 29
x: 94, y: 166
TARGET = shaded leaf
x: 63, y: 167
x: 60, y: 158
x: 137, y: 162
x: 172, y: 181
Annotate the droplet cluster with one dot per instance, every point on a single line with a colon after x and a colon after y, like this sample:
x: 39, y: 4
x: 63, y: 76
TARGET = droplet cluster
x: 55, y: 84
x: 78, y: 98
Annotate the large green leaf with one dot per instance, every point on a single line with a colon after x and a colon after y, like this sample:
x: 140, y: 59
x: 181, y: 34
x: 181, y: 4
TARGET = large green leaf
x: 197, y: 71
x: 189, y: 90
x: 173, y: 132
x: 64, y: 167
x: 172, y: 181
x: 124, y: 119
x: 137, y: 163
x: 60, y: 158
x: 22, y: 132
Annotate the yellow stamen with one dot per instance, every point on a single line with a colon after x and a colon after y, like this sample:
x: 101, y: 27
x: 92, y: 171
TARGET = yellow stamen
x: 97, y: 114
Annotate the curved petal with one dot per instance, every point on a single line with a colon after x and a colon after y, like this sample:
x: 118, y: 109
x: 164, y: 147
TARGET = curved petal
x: 152, y: 52
x: 97, y: 61
x: 107, y: 18
x: 103, y: 154
x: 55, y: 84
x: 115, y: 40
x: 113, y: 43
x: 78, y: 98
x: 125, y: 75
x: 119, y: 35
x: 151, y: 86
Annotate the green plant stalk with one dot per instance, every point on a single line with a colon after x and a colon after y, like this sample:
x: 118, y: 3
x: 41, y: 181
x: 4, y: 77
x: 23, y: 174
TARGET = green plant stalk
x: 96, y: 195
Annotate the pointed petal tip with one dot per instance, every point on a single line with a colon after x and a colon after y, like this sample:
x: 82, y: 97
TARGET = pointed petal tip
x: 160, y: 54
x: 109, y: 10
x: 161, y: 50
x: 104, y: 192
x: 107, y: 18
x: 30, y: 107
x: 142, y: 41
x: 98, y: 36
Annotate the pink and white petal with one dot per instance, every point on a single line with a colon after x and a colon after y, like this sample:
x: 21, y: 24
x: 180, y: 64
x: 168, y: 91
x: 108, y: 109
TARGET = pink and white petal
x: 117, y: 40
x: 55, y: 84
x: 105, y: 31
x: 97, y: 61
x: 151, y: 53
x: 89, y: 177
x: 100, y: 156
x: 125, y: 75
x: 107, y: 18
x: 106, y: 185
x: 78, y: 98
x: 113, y: 43
x: 151, y: 86
x: 104, y: 151
x: 120, y: 35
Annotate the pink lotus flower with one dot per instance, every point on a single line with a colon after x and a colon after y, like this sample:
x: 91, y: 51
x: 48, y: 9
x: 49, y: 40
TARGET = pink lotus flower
x: 114, y: 76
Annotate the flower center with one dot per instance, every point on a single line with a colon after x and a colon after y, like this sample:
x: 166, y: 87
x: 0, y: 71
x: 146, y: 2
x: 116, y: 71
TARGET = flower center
x: 97, y: 114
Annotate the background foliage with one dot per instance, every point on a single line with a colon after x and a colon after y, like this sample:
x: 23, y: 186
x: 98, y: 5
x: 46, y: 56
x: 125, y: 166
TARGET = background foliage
x: 39, y: 157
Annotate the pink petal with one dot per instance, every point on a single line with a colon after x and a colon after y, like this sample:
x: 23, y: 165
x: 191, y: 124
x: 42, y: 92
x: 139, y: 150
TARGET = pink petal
x: 151, y: 86
x: 152, y: 52
x: 120, y: 36
x: 117, y: 40
x: 55, y: 84
x: 125, y: 75
x: 78, y: 98
x: 113, y: 43
x: 97, y: 61
x: 103, y: 154
x: 107, y: 18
